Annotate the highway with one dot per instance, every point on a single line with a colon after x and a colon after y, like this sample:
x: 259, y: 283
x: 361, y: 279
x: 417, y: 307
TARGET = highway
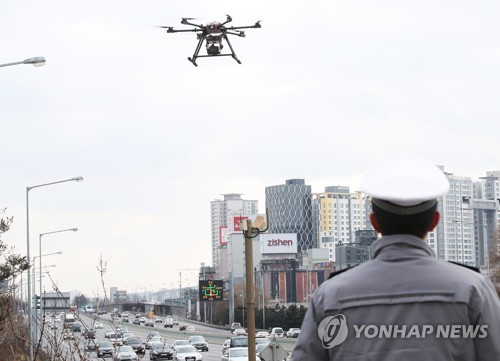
x: 73, y: 349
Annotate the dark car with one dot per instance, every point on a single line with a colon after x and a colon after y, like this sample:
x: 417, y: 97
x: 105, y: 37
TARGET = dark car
x: 239, y: 341
x: 160, y: 351
x: 77, y: 327
x: 136, y: 322
x: 199, y: 342
x: 149, y: 323
x: 105, y: 348
x: 91, y: 345
x: 137, y: 345
x: 89, y: 333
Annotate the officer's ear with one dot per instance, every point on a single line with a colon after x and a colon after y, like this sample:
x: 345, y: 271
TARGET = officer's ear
x: 374, y: 223
x: 435, y: 221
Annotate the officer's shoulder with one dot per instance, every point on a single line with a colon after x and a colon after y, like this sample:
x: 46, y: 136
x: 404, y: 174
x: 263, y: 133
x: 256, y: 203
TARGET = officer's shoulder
x: 472, y: 268
x: 336, y: 273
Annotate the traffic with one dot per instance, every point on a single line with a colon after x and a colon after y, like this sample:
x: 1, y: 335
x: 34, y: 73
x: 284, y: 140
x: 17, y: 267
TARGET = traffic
x: 136, y: 336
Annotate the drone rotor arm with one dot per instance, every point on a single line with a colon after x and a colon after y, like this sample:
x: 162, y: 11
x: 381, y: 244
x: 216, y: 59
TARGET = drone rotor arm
x: 185, y: 22
x: 239, y: 33
x: 256, y: 26
x: 228, y: 20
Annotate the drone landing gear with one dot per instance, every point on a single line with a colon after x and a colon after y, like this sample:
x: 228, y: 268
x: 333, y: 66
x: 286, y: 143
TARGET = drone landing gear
x: 193, y: 61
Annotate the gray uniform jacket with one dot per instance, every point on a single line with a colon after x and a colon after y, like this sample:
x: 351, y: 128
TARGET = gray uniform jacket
x: 403, y: 305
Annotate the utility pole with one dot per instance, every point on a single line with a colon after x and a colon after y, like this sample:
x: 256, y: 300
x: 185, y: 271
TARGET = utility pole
x: 250, y: 233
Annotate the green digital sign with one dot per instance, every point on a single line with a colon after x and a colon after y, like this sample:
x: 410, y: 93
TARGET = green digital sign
x: 211, y: 290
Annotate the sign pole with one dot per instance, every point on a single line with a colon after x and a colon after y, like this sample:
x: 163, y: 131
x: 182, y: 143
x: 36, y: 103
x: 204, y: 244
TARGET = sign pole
x: 250, y: 233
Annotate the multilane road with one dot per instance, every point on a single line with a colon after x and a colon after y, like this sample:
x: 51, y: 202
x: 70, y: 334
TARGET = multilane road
x: 215, y: 337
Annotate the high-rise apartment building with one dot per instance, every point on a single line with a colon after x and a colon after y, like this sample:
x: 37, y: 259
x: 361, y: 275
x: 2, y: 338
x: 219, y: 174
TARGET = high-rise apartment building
x: 338, y: 214
x: 454, y: 239
x: 290, y: 211
x: 220, y: 211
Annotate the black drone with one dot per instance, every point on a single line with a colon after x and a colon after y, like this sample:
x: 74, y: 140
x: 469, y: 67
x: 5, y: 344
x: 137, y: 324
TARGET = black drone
x: 213, y: 33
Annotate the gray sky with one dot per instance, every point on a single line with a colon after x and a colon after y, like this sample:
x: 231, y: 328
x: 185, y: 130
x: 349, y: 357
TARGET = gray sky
x: 324, y: 89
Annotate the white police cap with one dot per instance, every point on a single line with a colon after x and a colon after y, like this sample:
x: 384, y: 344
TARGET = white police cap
x: 404, y: 184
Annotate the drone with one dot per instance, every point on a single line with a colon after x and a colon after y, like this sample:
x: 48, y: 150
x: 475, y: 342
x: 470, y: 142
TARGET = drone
x: 213, y: 33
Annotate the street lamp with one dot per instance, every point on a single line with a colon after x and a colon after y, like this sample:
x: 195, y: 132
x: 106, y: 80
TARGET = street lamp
x: 33, y: 305
x: 30, y: 320
x: 40, y: 255
x: 36, y: 61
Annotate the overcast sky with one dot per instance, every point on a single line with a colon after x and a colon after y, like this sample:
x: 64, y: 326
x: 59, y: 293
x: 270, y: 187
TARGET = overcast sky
x: 324, y: 88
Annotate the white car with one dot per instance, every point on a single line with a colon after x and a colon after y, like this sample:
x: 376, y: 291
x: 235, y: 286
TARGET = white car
x: 98, y: 325
x: 235, y: 354
x: 182, y: 353
x: 153, y: 340
x: 125, y: 353
x: 239, y: 332
x: 262, y: 334
x: 277, y: 332
x: 293, y: 332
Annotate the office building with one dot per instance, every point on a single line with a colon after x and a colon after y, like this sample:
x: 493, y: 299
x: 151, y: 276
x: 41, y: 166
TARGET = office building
x: 290, y: 211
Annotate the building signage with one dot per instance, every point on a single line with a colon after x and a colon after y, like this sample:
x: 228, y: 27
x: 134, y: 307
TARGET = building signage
x: 224, y: 236
x: 234, y: 222
x: 278, y: 265
x: 278, y: 243
x: 211, y: 290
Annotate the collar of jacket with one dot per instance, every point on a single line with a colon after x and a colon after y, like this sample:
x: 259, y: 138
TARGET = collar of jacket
x: 400, y: 245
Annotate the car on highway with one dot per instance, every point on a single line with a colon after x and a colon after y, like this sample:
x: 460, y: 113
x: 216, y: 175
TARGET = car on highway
x: 126, y: 336
x: 182, y: 353
x: 105, y: 348
x: 158, y: 320
x: 98, y: 325
x: 125, y: 353
x: 116, y: 339
x: 262, y: 334
x: 88, y: 333
x: 180, y: 343
x: 293, y: 332
x: 160, y: 351
x: 199, y: 342
x: 226, y: 345
x: 239, y: 341
x: 77, y: 327
x: 239, y: 332
x: 125, y: 320
x: 91, y: 345
x: 136, y: 322
x: 142, y: 319
x: 277, y: 332
x: 137, y: 344
x: 235, y: 354
x: 235, y: 325
x: 149, y: 323
x: 152, y: 341
x: 68, y: 334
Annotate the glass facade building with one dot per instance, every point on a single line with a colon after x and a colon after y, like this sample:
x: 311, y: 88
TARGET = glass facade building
x: 290, y: 211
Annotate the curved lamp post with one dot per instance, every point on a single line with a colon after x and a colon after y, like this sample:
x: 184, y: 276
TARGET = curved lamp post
x: 36, y: 61
x: 30, y: 316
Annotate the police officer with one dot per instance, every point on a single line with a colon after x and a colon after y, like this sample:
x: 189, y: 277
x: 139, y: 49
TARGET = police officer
x: 405, y: 304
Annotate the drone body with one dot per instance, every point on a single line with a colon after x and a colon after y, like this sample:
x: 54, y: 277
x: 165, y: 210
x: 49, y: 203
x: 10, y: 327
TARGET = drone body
x: 213, y: 34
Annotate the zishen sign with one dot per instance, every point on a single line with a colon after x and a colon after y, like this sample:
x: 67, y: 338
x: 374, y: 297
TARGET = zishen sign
x: 278, y: 243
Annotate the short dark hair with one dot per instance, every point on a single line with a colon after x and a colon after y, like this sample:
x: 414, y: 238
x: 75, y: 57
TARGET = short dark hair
x: 415, y: 224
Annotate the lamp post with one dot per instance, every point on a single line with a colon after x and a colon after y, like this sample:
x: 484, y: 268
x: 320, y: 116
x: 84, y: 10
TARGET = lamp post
x: 36, y: 61
x: 33, y: 305
x: 40, y: 255
x: 30, y: 320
